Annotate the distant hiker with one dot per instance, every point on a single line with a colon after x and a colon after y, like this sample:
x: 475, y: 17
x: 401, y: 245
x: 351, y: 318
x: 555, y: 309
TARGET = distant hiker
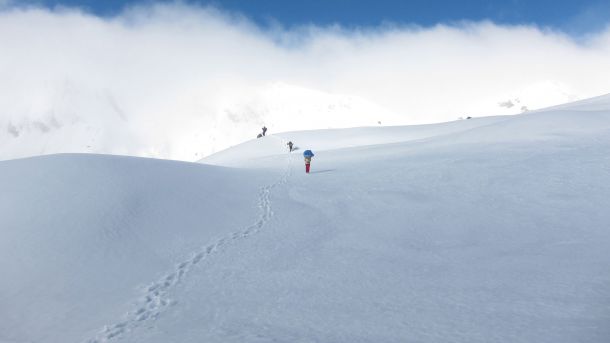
x: 289, y: 146
x: 308, y: 155
x: 264, y: 130
x: 259, y: 135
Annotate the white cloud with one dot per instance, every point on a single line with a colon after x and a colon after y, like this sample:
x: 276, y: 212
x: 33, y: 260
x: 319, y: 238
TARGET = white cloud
x: 180, y: 82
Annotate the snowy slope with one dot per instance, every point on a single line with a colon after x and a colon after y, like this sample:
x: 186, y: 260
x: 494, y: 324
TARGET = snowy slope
x: 495, y: 233
x: 599, y: 103
x: 579, y: 118
x: 83, y: 235
x: 484, y: 230
x: 332, y: 139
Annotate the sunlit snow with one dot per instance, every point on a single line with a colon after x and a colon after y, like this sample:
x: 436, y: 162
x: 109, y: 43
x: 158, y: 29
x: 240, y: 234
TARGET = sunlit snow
x: 490, y: 229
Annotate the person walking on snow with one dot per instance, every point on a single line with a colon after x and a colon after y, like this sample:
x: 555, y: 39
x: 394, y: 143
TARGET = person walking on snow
x: 289, y: 146
x: 308, y: 155
x: 264, y: 130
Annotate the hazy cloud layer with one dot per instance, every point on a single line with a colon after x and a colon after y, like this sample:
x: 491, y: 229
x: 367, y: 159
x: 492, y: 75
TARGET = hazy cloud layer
x: 177, y: 81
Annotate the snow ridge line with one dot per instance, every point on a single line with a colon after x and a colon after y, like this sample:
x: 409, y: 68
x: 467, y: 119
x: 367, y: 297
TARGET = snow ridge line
x: 156, y: 296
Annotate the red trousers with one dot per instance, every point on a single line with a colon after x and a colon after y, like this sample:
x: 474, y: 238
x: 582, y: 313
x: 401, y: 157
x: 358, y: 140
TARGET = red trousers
x: 307, y: 168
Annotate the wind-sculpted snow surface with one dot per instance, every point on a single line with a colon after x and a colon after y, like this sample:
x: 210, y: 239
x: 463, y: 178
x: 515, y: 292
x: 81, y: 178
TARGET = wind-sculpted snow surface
x: 482, y: 230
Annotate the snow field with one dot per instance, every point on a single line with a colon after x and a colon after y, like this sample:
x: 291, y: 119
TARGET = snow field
x: 484, y: 230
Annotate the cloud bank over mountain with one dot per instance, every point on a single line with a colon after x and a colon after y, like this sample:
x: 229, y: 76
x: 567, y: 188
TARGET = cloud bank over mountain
x: 179, y: 81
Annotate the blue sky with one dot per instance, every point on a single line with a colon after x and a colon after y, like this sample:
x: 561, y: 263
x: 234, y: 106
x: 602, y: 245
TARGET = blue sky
x: 571, y: 16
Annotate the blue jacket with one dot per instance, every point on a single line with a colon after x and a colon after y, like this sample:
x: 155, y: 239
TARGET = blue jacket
x: 308, y: 153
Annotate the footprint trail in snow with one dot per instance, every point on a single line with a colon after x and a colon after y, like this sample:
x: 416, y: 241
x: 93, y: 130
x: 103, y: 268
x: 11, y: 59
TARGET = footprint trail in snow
x: 156, y: 296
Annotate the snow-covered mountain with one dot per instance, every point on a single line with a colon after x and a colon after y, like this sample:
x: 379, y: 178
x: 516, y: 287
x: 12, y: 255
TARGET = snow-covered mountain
x: 484, y: 230
x: 71, y: 118
x: 189, y: 123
